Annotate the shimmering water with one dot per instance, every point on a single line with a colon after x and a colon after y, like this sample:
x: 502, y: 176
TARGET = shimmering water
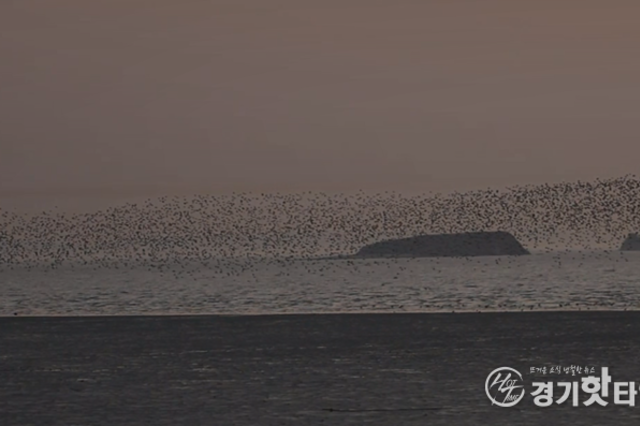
x: 542, y: 281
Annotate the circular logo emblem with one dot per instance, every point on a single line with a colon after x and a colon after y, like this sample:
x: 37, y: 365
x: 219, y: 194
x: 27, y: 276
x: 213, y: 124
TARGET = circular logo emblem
x: 504, y: 387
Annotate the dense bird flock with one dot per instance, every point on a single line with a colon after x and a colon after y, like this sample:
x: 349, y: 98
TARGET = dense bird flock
x: 205, y: 229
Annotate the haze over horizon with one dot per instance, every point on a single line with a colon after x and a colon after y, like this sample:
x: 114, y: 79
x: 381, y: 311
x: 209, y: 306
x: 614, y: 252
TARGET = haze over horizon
x: 138, y: 97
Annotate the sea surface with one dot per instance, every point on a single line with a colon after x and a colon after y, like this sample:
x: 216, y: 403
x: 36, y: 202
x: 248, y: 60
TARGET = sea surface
x: 167, y: 343
x: 311, y: 370
x: 570, y: 280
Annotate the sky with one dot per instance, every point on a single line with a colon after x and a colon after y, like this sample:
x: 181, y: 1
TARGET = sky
x: 131, y: 97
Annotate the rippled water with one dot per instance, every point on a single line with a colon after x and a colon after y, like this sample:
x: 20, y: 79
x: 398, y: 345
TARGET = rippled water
x: 545, y: 281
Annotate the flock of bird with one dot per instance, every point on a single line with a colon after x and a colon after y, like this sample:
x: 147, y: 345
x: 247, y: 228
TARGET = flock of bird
x: 246, y: 239
x: 210, y: 229
x: 227, y: 234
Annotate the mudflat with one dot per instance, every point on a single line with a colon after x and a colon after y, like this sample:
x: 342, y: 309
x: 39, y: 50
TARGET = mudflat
x: 334, y: 369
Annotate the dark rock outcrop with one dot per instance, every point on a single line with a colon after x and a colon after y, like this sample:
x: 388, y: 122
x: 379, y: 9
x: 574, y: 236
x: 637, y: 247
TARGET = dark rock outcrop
x: 447, y: 245
x: 631, y: 243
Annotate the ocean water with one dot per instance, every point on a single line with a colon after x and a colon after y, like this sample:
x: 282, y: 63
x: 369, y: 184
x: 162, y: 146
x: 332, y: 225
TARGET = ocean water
x: 570, y: 280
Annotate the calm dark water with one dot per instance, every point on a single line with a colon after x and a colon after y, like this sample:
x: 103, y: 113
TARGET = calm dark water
x: 382, y: 369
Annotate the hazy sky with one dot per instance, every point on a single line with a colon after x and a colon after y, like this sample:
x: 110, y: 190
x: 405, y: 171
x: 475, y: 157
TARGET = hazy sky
x: 130, y: 95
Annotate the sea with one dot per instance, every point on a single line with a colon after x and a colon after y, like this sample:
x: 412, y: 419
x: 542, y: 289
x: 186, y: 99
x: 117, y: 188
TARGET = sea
x: 541, y: 281
x: 210, y: 339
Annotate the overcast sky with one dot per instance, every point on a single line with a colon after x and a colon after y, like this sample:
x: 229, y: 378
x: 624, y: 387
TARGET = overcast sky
x: 279, y: 95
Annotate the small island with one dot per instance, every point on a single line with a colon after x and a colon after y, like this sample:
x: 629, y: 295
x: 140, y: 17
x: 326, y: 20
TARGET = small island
x: 467, y: 244
x: 631, y: 243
